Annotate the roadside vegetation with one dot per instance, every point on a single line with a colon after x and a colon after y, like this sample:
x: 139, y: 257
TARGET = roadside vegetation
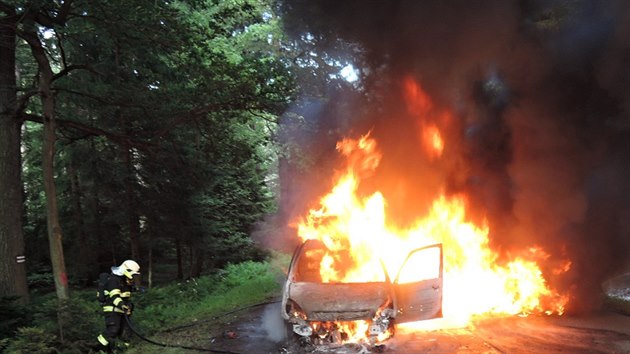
x: 617, y: 291
x: 158, y: 131
x: 34, y: 329
x: 619, y: 304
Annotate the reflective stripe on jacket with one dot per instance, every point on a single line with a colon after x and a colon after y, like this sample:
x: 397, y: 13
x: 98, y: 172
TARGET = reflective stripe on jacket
x: 118, y: 294
x: 112, y: 309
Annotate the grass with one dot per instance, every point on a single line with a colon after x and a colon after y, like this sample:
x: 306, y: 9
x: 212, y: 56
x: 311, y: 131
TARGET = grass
x: 237, y: 285
x: 199, y: 300
x: 156, y: 310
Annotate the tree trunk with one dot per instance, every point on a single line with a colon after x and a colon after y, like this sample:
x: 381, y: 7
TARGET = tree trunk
x: 198, y: 265
x: 48, y: 159
x: 180, y: 261
x: 96, y: 227
x: 85, y: 254
x: 191, y: 256
x: 12, y: 256
x: 52, y: 210
x: 150, y: 265
x: 132, y: 211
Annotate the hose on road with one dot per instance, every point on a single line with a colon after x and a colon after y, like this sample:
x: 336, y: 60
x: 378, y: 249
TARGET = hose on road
x: 218, y: 351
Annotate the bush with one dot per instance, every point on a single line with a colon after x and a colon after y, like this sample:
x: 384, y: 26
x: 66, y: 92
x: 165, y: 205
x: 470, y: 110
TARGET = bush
x: 80, y: 318
x: 12, y: 316
x: 238, y: 274
x: 41, y: 281
x: 237, y: 285
x: 32, y: 340
x: 4, y: 342
x: 82, y: 321
x: 37, y: 331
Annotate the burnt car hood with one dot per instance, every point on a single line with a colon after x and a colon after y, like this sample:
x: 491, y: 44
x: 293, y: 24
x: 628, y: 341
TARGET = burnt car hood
x: 313, y: 300
x: 338, y: 301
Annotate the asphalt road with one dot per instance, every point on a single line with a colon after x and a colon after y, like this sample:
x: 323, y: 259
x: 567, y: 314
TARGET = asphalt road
x: 260, y: 331
x: 598, y: 333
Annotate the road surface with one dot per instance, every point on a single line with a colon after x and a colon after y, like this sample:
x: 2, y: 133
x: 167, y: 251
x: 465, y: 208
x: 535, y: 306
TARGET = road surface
x: 260, y: 331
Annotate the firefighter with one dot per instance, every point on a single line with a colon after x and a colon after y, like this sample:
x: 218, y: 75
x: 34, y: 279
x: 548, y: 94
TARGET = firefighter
x: 115, y: 295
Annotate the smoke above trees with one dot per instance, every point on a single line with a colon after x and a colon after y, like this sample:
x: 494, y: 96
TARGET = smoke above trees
x: 539, y: 92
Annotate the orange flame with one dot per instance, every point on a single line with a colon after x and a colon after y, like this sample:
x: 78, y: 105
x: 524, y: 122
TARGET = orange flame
x: 433, y: 142
x: 358, y: 234
x: 419, y: 104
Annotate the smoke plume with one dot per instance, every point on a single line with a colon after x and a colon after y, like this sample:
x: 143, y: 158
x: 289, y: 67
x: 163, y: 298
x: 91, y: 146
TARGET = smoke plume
x: 539, y: 94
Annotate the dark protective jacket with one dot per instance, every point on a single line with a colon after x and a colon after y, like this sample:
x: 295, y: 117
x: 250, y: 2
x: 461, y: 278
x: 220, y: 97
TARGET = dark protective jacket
x: 117, y: 293
x: 117, y: 297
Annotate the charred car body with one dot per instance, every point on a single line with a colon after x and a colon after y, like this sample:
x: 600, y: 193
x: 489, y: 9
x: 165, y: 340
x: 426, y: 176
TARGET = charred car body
x: 313, y: 308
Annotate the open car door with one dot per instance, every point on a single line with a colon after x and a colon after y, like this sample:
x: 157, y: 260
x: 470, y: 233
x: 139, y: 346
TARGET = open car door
x: 418, y: 285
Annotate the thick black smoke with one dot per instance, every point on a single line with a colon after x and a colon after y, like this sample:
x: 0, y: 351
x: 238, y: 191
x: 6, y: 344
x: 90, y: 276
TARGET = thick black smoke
x: 540, y: 94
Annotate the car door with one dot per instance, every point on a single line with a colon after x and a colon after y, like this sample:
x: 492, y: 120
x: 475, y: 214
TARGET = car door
x: 418, y: 285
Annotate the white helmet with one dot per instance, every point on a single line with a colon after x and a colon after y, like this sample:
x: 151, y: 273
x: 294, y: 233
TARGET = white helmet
x: 128, y: 268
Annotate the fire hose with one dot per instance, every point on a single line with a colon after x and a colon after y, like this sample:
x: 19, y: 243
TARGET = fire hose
x: 133, y: 329
x: 221, y: 315
x: 148, y: 340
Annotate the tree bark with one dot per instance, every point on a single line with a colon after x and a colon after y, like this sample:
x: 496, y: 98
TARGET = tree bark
x: 198, y: 265
x: 48, y: 160
x: 85, y: 255
x: 12, y: 261
x: 132, y: 211
x: 180, y: 261
x: 150, y: 264
x: 96, y: 226
x: 52, y: 210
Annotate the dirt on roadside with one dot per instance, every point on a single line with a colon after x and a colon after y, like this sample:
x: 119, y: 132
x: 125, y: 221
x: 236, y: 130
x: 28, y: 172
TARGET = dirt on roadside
x: 253, y: 330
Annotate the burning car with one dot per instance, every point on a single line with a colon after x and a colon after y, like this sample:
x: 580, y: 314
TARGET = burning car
x: 320, y: 312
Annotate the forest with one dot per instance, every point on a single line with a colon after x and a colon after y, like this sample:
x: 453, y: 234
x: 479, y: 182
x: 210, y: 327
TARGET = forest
x: 189, y: 134
x: 145, y: 130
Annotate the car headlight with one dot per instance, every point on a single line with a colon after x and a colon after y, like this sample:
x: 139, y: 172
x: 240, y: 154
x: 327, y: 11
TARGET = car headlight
x: 294, y: 310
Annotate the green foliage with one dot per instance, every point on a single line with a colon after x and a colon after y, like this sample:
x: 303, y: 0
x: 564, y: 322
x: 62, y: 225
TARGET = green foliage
x: 12, y: 316
x: 79, y: 317
x: 172, y: 146
x: 40, y: 280
x: 32, y: 340
x: 236, y: 286
x: 4, y: 342
x: 235, y: 275
x: 82, y: 321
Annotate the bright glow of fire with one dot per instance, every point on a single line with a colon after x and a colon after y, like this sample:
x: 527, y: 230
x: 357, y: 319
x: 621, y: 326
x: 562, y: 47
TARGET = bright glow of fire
x: 475, y: 282
x: 432, y: 139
